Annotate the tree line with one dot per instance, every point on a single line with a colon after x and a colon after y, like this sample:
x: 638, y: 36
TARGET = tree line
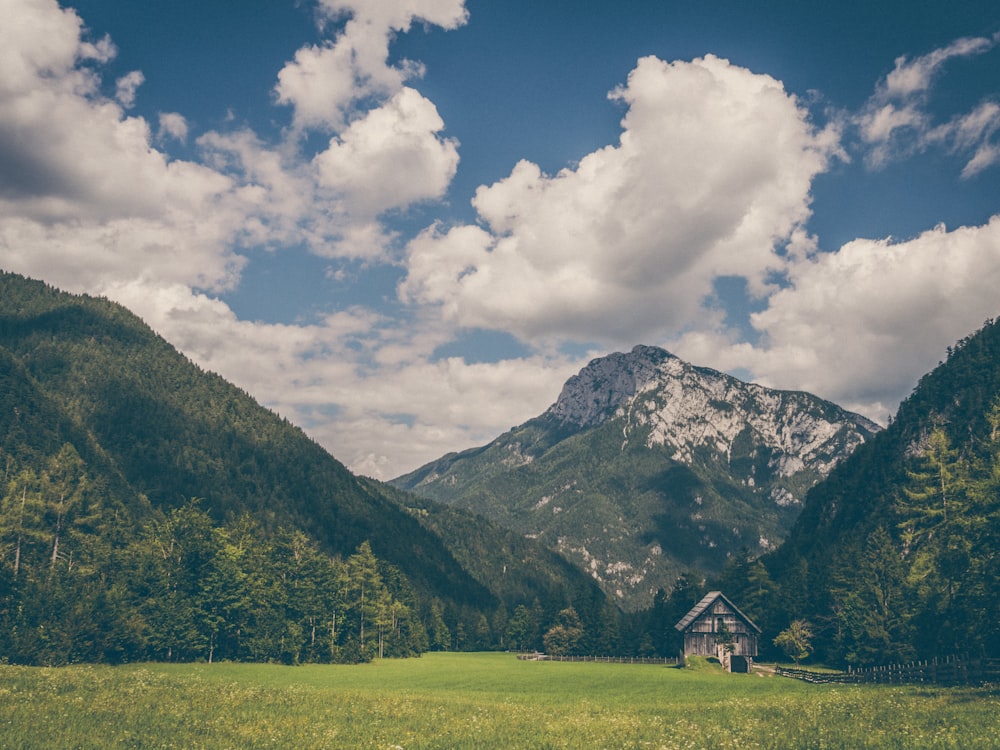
x: 83, y: 579
x: 918, y: 580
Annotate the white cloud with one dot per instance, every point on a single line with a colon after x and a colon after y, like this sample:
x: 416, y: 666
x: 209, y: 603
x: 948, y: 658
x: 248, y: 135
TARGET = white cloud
x: 89, y: 204
x: 897, y: 121
x: 84, y: 198
x: 38, y: 35
x: 88, y: 257
x: 711, y: 175
x: 173, y: 125
x: 911, y: 77
x: 975, y: 133
x: 987, y: 154
x: 449, y: 405
x: 399, y: 15
x: 325, y: 82
x: 126, y: 88
x: 390, y: 158
x: 393, y: 406
x: 861, y: 325
x: 321, y: 85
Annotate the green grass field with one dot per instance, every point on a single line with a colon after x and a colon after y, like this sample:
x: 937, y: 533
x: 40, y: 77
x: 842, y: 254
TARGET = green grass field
x: 474, y: 701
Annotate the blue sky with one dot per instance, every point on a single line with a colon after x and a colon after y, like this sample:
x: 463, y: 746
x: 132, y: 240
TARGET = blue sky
x: 403, y: 224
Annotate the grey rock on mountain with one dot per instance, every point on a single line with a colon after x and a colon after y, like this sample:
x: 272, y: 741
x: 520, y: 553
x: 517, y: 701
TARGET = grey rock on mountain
x: 646, y: 467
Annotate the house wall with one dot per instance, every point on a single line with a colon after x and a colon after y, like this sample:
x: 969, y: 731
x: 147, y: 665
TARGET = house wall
x: 701, y: 638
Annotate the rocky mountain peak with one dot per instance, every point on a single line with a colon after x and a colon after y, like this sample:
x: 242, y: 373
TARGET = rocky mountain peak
x: 666, y: 401
x: 594, y: 395
x: 647, y: 465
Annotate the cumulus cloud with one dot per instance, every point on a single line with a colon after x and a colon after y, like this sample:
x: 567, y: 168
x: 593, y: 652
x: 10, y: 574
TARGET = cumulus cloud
x: 89, y: 203
x: 84, y: 198
x: 368, y: 390
x: 324, y: 83
x: 896, y: 120
x: 390, y: 158
x: 710, y: 177
x: 861, y: 325
x: 450, y: 404
x: 387, y: 151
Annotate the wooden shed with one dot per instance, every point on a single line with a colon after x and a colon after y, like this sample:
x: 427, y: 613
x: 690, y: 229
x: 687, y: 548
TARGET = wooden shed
x: 715, y: 622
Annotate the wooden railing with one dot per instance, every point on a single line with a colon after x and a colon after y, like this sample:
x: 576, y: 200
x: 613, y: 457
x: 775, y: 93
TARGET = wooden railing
x: 952, y: 670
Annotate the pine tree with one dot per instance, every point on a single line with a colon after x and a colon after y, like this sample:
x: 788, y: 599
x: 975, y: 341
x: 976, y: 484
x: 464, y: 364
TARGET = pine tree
x: 871, y: 604
x: 933, y: 494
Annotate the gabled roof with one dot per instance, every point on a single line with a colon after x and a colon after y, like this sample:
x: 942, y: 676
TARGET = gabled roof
x: 707, y: 601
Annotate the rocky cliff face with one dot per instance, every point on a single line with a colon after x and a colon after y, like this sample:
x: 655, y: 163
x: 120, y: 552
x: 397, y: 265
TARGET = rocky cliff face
x: 663, y: 401
x: 647, y: 466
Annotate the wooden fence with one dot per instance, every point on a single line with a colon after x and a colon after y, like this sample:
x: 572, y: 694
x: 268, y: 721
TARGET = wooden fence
x: 670, y: 662
x: 952, y: 670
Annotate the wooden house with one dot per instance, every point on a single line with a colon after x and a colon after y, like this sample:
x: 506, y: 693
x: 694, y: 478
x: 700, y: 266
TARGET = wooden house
x: 716, y: 627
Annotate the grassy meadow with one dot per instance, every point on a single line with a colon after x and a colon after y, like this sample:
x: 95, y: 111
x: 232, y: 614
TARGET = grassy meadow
x: 474, y: 701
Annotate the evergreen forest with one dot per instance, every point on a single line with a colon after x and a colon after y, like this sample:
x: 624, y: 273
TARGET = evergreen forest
x: 896, y: 555
x: 149, y: 510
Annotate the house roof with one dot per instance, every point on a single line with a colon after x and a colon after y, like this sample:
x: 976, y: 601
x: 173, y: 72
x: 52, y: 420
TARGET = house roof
x: 707, y: 601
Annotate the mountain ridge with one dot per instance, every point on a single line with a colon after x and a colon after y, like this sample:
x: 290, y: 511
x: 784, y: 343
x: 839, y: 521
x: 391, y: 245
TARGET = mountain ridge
x: 709, y: 465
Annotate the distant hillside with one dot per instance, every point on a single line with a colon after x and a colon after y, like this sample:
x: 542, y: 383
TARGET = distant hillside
x: 108, y: 435
x: 894, y: 556
x: 515, y: 568
x: 647, y: 467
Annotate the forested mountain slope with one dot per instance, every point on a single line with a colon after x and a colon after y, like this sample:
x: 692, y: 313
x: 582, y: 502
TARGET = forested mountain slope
x: 647, y: 467
x: 896, y: 555
x: 137, y: 487
x: 108, y: 385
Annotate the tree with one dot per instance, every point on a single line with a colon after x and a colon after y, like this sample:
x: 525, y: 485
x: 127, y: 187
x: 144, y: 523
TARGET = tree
x: 523, y: 627
x: 609, y: 635
x: 933, y: 494
x: 21, y: 514
x: 437, y: 629
x: 725, y: 638
x: 563, y: 637
x: 760, y: 596
x: 796, y: 640
x: 934, y: 509
x: 871, y: 604
x: 368, y: 601
x: 174, y: 558
x: 67, y: 486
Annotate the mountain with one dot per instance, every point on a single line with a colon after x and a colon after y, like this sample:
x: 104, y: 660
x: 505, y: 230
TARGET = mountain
x: 647, y: 467
x: 894, y: 556
x: 86, y: 371
x: 85, y: 383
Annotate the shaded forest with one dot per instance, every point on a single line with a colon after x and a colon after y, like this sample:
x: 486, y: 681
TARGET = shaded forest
x: 896, y: 556
x: 138, y: 488
x: 150, y: 510
x: 82, y: 582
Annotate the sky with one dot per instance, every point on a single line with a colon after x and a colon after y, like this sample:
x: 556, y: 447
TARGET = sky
x: 403, y: 224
